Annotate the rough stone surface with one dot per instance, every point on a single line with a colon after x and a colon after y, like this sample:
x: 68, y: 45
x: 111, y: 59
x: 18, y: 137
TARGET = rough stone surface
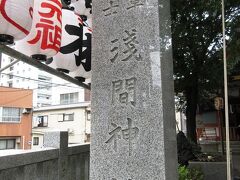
x: 133, y: 123
x: 211, y: 170
x: 56, y: 139
x: 59, y: 139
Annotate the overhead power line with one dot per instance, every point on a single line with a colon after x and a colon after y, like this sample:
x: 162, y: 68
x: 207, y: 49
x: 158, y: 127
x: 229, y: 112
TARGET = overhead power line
x: 17, y: 55
x: 37, y: 80
x: 22, y: 89
x: 8, y: 66
x: 14, y: 100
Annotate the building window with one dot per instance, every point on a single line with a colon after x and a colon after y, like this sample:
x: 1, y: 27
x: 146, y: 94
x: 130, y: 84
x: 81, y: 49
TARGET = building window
x: 11, y: 59
x: 68, y: 117
x: 10, y: 84
x: 7, y: 144
x: 44, y: 86
x: 42, y: 121
x: 69, y: 98
x: 44, y: 78
x: 36, y: 141
x: 10, y: 76
x: 10, y: 114
x: 44, y: 96
x: 88, y: 115
x: 87, y: 137
x: 44, y: 104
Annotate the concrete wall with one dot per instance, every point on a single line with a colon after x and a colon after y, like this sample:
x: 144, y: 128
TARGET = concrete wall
x: 63, y: 163
x: 211, y: 170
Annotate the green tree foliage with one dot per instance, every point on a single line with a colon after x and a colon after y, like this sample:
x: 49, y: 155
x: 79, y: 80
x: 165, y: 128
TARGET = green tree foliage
x: 186, y: 173
x: 197, y: 50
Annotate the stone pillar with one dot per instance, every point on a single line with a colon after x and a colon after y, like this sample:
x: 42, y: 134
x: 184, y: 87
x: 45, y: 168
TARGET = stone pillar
x: 59, y: 139
x: 133, y: 120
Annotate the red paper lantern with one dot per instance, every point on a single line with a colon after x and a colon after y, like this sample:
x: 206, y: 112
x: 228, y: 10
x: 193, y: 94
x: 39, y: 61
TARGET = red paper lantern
x: 44, y: 39
x: 15, y: 20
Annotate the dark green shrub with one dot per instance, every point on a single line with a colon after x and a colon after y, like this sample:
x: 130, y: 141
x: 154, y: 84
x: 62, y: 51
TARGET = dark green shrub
x: 186, y: 173
x: 183, y: 172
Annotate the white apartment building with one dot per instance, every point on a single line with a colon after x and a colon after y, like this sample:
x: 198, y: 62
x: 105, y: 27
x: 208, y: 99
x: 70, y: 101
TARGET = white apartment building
x: 74, y: 118
x: 58, y: 105
x: 47, y: 89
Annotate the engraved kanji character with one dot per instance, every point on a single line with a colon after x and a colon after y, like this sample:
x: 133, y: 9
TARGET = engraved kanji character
x: 117, y: 87
x: 130, y: 43
x: 129, y: 134
x: 123, y: 98
x: 114, y: 135
x: 131, y: 86
x: 114, y: 50
x: 134, y: 3
x: 124, y: 91
x: 112, y: 9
